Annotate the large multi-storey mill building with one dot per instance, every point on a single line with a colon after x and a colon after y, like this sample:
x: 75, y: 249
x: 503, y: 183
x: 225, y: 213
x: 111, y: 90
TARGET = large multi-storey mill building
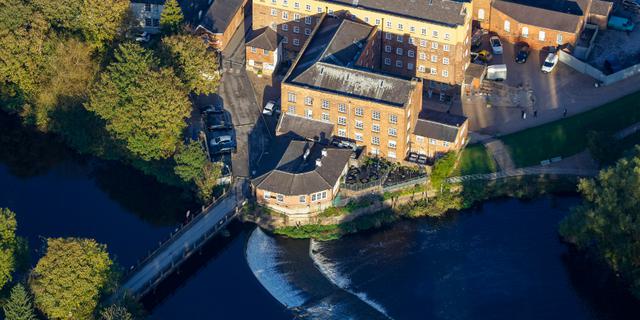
x: 428, y: 39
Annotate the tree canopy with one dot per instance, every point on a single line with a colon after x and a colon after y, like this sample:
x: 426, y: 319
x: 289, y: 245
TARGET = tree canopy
x: 8, y: 245
x: 19, y: 305
x: 193, y: 166
x: 607, y: 222
x: 194, y: 63
x: 116, y: 312
x: 68, y: 281
x: 143, y: 106
x: 171, y: 17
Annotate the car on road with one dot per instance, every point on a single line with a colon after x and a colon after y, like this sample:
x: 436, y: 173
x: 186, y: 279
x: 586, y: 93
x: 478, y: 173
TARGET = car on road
x: 620, y: 23
x: 218, y: 121
x: 523, y: 52
x: 211, y: 108
x: 482, y: 56
x: 270, y: 108
x: 223, y: 143
x: 496, y: 45
x: 143, y: 37
x: 550, y: 62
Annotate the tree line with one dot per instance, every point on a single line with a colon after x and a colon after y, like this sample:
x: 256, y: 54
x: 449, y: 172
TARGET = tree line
x: 71, y: 67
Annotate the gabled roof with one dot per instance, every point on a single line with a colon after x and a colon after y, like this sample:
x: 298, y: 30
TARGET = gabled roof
x: 439, y: 125
x: 218, y: 17
x: 600, y: 7
x: 297, y: 172
x: 264, y: 38
x: 311, y: 129
x: 561, y: 15
x: 327, y: 63
x: 447, y: 12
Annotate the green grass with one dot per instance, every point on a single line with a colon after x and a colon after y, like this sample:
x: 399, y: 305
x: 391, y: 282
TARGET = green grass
x: 474, y: 159
x: 567, y: 137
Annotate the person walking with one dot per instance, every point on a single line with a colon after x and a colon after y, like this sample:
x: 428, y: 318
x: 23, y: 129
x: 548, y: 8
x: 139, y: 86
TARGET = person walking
x: 535, y: 113
x: 564, y: 113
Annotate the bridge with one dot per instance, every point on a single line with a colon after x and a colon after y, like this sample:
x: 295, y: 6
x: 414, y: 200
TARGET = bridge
x: 182, y: 244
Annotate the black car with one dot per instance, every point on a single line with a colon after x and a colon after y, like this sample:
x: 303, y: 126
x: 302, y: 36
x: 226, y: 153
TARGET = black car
x: 218, y: 121
x: 523, y: 53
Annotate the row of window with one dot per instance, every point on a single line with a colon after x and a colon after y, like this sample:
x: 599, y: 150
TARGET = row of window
x: 423, y: 43
x: 432, y: 141
x: 435, y: 34
x: 524, y: 32
x: 148, y: 22
x: 411, y: 54
x: 264, y: 51
x: 421, y: 68
x: 302, y: 199
x: 296, y: 29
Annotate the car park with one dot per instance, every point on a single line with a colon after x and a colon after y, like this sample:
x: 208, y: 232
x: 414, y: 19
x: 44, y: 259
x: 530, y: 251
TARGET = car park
x: 143, y: 37
x: 269, y: 108
x: 550, y: 62
x: 496, y: 45
x: 523, y: 51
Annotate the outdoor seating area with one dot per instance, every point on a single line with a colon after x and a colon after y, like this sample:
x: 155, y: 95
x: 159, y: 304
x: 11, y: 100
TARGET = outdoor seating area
x: 403, y: 174
x: 370, y: 173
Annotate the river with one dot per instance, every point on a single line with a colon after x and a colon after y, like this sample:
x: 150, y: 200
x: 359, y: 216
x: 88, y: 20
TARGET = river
x: 503, y: 261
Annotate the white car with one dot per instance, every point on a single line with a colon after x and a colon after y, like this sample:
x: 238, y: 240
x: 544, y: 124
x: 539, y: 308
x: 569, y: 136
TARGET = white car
x: 550, y: 62
x: 143, y: 37
x: 269, y: 108
x: 496, y: 45
x: 221, y: 140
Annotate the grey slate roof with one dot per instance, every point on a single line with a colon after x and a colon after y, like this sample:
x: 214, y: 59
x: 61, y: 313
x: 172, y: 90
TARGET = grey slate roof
x: 306, y: 128
x: 326, y: 64
x: 562, y: 15
x: 445, y: 12
x: 295, y: 175
x: 439, y: 125
x: 218, y: 17
x: 265, y: 38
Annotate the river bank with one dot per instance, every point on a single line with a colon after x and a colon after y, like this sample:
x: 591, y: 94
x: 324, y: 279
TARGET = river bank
x: 452, y: 199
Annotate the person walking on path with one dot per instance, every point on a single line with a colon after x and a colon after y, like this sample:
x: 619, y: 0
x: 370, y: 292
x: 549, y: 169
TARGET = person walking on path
x: 564, y: 113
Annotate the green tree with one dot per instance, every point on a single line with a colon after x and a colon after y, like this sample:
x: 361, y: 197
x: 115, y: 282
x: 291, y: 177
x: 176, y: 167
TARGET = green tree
x: 143, y: 107
x: 8, y: 245
x: 116, y: 312
x: 608, y: 220
x: 171, y: 17
x: 193, y: 61
x: 62, y: 14
x: 19, y: 306
x: 68, y: 281
x: 104, y: 20
x: 193, y: 166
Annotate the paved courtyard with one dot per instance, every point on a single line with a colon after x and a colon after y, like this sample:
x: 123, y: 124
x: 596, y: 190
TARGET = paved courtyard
x: 564, y: 88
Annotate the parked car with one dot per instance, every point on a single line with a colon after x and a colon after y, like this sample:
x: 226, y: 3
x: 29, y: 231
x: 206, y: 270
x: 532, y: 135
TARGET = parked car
x: 270, y: 108
x: 483, y: 56
x: 218, y: 121
x: 496, y: 45
x: 222, y: 144
x: 212, y: 109
x: 620, y: 23
x: 143, y: 37
x: 523, y: 52
x: 550, y: 62
x: 476, y: 39
x: 497, y: 72
x: 631, y: 4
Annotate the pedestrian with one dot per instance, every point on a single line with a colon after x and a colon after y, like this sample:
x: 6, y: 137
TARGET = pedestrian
x: 535, y: 113
x: 564, y: 114
x: 524, y: 116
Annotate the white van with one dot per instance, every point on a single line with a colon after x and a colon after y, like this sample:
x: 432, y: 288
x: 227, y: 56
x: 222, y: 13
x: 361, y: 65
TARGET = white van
x: 497, y: 72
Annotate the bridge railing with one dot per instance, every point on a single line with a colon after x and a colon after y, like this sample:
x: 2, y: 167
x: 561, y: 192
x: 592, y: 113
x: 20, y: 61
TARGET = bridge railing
x: 174, y: 235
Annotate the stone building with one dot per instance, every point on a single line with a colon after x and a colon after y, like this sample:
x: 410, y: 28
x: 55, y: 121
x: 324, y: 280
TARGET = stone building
x: 306, y: 179
x: 540, y: 23
x: 428, y: 39
x: 263, y: 51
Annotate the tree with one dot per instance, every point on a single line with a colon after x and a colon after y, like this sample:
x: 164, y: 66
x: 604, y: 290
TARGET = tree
x: 19, y: 306
x: 8, y: 245
x: 608, y: 220
x: 68, y: 281
x: 116, y: 312
x: 193, y: 166
x: 62, y: 14
x: 171, y: 17
x: 144, y: 107
x: 103, y: 20
x: 193, y: 61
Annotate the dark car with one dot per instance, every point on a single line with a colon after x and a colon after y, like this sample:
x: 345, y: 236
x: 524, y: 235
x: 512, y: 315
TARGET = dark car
x: 523, y: 53
x: 218, y: 121
x: 211, y: 109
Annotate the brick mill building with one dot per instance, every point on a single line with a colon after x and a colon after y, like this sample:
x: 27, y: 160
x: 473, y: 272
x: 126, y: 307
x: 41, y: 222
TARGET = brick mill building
x: 428, y: 39
x: 540, y: 23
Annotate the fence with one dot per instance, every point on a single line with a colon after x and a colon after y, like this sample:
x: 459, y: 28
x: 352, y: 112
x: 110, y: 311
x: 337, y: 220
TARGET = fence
x: 405, y: 184
x: 591, y: 71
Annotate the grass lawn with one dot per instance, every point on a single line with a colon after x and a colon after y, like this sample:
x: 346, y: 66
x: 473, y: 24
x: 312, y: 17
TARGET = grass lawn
x: 474, y: 159
x: 566, y: 137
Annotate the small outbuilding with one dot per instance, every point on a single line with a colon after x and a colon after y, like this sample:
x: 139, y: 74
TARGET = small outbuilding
x: 263, y: 51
